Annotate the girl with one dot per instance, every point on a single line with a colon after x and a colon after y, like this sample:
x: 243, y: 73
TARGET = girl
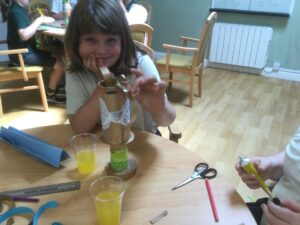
x: 20, y: 34
x: 98, y: 35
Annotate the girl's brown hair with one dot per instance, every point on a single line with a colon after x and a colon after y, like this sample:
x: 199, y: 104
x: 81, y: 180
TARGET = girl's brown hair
x: 106, y: 16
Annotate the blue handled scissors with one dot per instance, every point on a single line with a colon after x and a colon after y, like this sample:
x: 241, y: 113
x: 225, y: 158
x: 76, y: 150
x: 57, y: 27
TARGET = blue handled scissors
x: 201, y: 171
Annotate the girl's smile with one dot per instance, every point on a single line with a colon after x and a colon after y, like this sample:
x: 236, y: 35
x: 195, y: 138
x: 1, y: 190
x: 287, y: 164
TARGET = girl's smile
x: 104, y: 48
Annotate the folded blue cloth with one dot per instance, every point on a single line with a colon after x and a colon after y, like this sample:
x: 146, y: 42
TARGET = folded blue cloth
x: 33, y: 146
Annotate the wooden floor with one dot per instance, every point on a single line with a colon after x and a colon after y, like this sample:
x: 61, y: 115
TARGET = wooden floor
x: 238, y: 115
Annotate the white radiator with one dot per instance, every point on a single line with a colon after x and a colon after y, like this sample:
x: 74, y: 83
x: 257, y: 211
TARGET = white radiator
x: 239, y: 47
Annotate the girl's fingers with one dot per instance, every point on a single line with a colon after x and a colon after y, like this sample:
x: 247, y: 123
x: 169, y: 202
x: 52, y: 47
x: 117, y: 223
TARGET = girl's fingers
x: 93, y: 62
x: 162, y: 85
x: 90, y: 63
x: 143, y: 80
x: 292, y: 205
x: 250, y: 180
x: 268, y: 215
x: 239, y: 169
x: 100, y: 62
x: 136, y: 72
x: 277, y: 214
x: 86, y: 62
x: 252, y: 184
x: 144, y: 83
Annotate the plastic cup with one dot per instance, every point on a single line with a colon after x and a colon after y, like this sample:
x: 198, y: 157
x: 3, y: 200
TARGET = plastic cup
x: 107, y: 193
x: 84, y: 146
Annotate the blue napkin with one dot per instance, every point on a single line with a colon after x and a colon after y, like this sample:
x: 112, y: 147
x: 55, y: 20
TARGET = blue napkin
x: 33, y: 146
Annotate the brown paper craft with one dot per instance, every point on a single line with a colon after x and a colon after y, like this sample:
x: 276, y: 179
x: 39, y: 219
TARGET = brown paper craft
x: 117, y: 114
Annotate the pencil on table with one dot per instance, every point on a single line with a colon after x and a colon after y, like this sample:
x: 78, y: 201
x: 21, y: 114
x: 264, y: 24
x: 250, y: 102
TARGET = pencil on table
x: 212, y: 201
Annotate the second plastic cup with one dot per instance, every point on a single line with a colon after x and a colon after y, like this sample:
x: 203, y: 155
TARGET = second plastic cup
x: 84, y: 146
x: 107, y: 193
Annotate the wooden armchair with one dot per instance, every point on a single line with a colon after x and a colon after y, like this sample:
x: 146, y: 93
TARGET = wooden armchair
x: 142, y: 32
x: 174, y: 130
x: 21, y: 72
x: 187, y: 64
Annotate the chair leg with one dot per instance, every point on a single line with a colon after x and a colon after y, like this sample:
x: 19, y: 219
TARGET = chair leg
x: 200, y: 82
x: 174, y: 132
x: 170, y: 82
x: 42, y: 92
x: 191, y: 91
x: 1, y: 109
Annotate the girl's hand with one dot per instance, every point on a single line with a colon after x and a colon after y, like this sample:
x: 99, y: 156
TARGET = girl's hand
x: 91, y: 64
x: 287, y: 213
x: 149, y: 92
x: 261, y: 164
x: 46, y: 19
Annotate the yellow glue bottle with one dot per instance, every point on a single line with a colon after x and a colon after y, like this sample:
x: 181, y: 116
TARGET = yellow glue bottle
x: 249, y: 168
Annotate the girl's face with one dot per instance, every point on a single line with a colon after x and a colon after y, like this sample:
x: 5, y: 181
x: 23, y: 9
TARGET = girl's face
x: 106, y: 48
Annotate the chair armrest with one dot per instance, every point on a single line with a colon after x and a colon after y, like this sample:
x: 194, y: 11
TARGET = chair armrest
x: 179, y: 48
x: 21, y: 60
x: 185, y: 41
x: 13, y: 51
x: 175, y: 48
x: 145, y: 48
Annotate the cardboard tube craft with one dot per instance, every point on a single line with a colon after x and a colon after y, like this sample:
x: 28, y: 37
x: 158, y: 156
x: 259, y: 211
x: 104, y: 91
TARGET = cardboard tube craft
x: 117, y: 108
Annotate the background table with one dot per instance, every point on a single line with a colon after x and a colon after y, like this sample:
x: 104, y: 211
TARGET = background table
x: 161, y: 165
x: 55, y: 29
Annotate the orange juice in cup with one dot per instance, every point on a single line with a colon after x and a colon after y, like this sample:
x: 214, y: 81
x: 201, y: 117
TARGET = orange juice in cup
x: 108, y: 208
x: 107, y: 193
x: 86, y: 161
x: 84, y: 146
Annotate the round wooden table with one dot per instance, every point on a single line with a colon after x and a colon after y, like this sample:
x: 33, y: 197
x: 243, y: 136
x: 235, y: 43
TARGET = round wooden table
x: 161, y: 163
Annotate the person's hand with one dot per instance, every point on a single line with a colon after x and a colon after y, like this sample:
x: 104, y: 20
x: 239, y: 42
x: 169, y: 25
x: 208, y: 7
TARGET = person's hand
x: 91, y: 64
x: 286, y: 214
x: 261, y: 164
x: 149, y: 92
x: 46, y: 19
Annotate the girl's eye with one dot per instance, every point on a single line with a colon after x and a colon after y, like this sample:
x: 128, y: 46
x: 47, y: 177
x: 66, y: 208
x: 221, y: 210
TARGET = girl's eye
x: 113, y: 41
x: 90, y: 40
